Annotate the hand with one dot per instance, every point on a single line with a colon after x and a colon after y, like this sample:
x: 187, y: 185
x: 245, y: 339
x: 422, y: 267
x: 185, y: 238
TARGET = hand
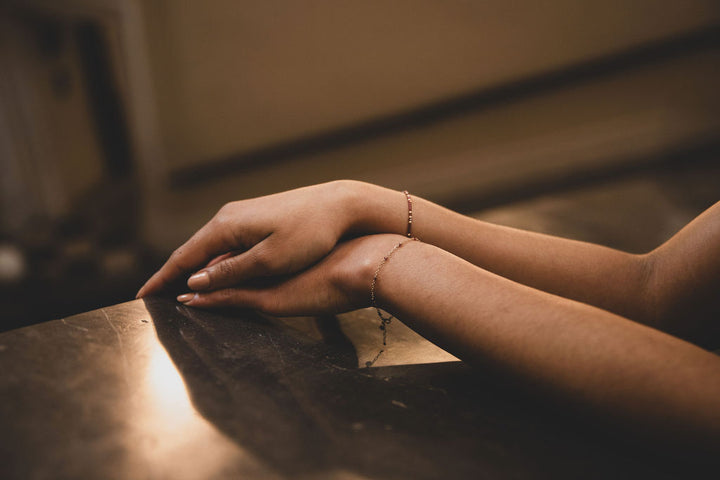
x: 268, y: 236
x: 340, y: 282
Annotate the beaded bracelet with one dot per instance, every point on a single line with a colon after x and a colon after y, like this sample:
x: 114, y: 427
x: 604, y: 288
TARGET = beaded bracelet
x: 410, y: 213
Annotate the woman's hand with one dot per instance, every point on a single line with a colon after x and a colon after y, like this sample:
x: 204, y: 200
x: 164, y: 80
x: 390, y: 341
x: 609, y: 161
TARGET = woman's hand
x: 278, y: 234
x: 338, y: 283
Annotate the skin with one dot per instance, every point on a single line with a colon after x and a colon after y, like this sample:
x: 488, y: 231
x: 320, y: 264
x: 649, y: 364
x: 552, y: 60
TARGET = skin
x: 550, y: 312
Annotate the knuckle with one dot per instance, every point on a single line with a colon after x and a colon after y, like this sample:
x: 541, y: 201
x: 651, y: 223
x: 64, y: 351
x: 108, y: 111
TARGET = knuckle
x: 224, y: 297
x: 224, y: 215
x: 268, y: 304
x: 226, y: 294
x: 226, y: 211
x: 221, y: 219
x: 176, y: 259
x: 263, y: 261
x: 226, y: 269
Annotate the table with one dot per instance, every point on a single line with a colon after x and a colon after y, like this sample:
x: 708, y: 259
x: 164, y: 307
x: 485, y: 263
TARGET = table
x: 153, y: 389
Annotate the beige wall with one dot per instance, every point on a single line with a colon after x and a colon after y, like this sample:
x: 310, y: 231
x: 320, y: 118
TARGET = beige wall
x: 618, y: 121
x: 231, y: 76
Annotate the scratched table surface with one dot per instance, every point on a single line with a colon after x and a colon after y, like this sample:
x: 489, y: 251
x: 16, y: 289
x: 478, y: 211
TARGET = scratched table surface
x: 151, y: 389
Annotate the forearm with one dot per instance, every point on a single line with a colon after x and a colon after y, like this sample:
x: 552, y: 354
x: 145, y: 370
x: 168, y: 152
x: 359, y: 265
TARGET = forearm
x: 593, y: 274
x: 595, y: 359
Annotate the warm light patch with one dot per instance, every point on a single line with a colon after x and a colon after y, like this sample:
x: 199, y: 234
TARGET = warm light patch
x: 177, y: 441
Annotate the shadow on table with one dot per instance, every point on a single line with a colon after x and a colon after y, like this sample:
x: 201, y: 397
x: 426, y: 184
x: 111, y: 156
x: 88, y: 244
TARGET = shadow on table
x: 303, y: 407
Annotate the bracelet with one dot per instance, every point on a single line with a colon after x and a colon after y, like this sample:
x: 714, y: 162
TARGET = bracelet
x: 409, y: 201
x: 384, y: 321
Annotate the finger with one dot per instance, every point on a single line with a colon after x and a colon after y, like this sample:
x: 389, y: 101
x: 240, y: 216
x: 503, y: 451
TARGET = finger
x: 262, y: 260
x: 207, y: 242
x: 220, y: 258
x: 305, y: 294
x: 283, y: 298
x: 228, y: 297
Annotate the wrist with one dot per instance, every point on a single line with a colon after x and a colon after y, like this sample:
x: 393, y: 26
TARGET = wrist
x: 344, y: 197
x: 373, y: 209
x: 356, y: 275
x: 394, y: 267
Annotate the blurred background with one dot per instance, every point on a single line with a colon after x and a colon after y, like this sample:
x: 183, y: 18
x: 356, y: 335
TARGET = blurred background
x: 125, y: 124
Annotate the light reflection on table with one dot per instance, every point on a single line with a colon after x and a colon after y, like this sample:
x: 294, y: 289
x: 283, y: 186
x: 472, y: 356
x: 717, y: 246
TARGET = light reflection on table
x: 180, y: 443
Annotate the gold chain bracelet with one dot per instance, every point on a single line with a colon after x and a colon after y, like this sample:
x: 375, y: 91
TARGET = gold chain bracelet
x: 384, y: 320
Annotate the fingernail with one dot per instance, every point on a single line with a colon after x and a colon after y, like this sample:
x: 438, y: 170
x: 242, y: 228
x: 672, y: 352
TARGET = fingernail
x: 140, y: 292
x: 199, y: 281
x: 186, y: 297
